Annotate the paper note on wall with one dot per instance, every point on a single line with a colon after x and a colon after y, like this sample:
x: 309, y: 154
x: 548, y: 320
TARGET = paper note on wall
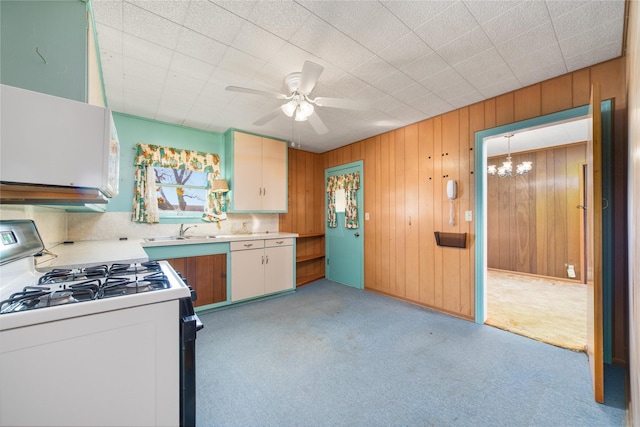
x: 340, y: 200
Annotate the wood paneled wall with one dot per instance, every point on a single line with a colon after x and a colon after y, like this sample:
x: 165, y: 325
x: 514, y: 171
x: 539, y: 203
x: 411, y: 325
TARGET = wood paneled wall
x: 405, y: 173
x: 533, y: 219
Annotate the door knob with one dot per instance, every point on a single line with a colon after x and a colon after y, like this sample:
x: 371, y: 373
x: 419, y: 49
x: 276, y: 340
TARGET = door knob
x: 357, y: 234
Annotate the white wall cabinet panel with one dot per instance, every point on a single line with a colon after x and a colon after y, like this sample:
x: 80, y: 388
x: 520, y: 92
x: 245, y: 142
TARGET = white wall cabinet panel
x: 257, y: 173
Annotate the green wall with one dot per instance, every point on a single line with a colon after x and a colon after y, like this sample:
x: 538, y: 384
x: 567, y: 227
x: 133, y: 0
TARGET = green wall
x: 59, y: 30
x: 132, y: 130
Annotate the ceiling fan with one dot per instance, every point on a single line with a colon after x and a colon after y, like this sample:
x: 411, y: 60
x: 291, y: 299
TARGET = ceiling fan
x: 300, y: 105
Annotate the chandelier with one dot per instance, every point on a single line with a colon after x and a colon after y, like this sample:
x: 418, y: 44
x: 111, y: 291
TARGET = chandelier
x: 507, y: 167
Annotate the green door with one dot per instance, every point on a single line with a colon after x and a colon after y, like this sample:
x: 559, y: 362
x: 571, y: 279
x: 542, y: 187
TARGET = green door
x: 345, y: 246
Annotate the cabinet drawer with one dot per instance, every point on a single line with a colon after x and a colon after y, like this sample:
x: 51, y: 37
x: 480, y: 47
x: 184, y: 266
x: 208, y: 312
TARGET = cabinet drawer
x: 246, y: 244
x: 271, y: 243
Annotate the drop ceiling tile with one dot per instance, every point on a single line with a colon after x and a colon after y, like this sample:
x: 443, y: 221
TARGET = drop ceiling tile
x: 387, y: 104
x: 543, y: 72
x: 484, y: 11
x: 523, y: 44
x: 257, y: 42
x: 109, y: 39
x: 585, y: 18
x: 447, y: 77
x: 415, y: 13
x: 448, y: 25
x: 405, y: 50
x: 431, y: 105
x: 282, y: 18
x: 369, y: 94
x: 455, y: 91
x: 411, y: 92
x: 189, y: 66
x: 491, y: 76
x: 395, y: 82
x: 586, y: 41
x: 330, y: 44
x: 373, y: 70
x: 406, y: 114
x: 479, y: 63
x: 466, y: 99
x: 240, y: 62
x: 356, y: 19
x: 464, y: 46
x: 108, y: 12
x: 291, y: 58
x: 241, y: 8
x: 500, y: 87
x: 145, y: 51
x: 202, y: 17
x: 349, y: 85
x: 200, y: 47
x: 150, y: 74
x: 537, y: 59
x: 515, y: 21
x: 173, y: 10
x: 600, y: 54
x: 560, y: 7
x: 425, y: 66
x: 148, y: 26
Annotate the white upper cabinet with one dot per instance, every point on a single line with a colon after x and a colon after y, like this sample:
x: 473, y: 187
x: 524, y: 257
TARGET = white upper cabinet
x: 257, y: 173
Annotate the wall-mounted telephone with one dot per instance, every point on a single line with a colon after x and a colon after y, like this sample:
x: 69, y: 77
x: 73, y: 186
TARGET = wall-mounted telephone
x: 452, y: 189
x: 452, y: 194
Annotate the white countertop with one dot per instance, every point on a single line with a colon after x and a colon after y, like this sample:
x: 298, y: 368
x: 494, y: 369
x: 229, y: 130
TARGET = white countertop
x: 92, y: 252
x: 95, y: 252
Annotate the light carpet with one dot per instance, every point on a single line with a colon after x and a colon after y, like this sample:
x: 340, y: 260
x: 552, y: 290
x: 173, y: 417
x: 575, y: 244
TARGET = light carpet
x: 551, y: 311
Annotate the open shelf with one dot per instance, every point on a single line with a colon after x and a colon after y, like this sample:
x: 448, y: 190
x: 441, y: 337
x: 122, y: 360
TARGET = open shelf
x: 304, y: 258
x: 309, y: 257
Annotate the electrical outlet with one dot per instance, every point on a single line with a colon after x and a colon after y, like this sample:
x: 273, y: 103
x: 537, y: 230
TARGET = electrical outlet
x: 468, y: 216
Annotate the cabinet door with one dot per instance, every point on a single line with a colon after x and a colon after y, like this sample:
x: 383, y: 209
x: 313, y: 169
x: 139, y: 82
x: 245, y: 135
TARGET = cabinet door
x: 274, y: 175
x: 278, y: 273
x: 247, y: 274
x: 246, y: 183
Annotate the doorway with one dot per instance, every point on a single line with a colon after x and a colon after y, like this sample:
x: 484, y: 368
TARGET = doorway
x: 534, y: 256
x: 481, y: 201
x: 344, y: 226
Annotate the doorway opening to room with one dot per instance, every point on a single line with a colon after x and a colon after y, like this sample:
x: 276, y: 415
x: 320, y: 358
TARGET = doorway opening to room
x: 484, y: 232
x: 535, y: 274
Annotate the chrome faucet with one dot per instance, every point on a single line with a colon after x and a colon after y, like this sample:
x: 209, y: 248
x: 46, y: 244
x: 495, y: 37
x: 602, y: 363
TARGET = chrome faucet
x: 184, y: 230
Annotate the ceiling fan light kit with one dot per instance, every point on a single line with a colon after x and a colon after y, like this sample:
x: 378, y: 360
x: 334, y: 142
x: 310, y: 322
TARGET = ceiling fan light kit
x: 299, y: 105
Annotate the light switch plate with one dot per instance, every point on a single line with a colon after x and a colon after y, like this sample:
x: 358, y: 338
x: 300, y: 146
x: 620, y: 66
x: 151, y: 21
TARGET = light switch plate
x: 366, y: 216
x: 468, y: 216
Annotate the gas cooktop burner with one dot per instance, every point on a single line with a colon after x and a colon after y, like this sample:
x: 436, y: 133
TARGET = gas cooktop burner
x: 69, y: 286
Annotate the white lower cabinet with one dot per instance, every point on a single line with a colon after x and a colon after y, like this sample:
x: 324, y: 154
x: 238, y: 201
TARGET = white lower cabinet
x: 261, y: 267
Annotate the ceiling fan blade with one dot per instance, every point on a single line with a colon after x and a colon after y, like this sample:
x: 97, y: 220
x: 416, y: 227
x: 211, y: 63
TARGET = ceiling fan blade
x: 266, y: 119
x: 256, y: 92
x: 309, y: 76
x: 347, y: 104
x: 317, y: 124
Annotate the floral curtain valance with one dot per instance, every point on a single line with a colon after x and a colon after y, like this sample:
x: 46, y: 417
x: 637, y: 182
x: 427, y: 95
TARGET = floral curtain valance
x: 349, y: 183
x: 145, y: 201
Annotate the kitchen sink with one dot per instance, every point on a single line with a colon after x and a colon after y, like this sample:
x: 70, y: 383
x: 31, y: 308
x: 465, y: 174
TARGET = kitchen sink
x: 163, y: 239
x: 177, y: 238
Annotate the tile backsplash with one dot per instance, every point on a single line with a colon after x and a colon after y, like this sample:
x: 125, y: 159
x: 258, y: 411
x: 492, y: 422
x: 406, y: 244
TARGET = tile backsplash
x: 56, y: 226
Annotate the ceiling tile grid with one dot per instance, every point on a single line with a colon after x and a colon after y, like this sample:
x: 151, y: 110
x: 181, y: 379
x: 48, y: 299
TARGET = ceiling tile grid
x: 171, y: 60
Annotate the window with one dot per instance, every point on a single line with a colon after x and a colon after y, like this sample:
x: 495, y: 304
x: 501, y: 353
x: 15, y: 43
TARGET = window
x: 180, y: 192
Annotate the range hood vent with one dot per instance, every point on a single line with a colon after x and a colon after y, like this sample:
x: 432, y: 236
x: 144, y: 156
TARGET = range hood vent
x: 22, y: 194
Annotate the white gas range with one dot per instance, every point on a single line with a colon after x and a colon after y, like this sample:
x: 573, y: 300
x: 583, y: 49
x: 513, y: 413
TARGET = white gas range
x: 101, y: 345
